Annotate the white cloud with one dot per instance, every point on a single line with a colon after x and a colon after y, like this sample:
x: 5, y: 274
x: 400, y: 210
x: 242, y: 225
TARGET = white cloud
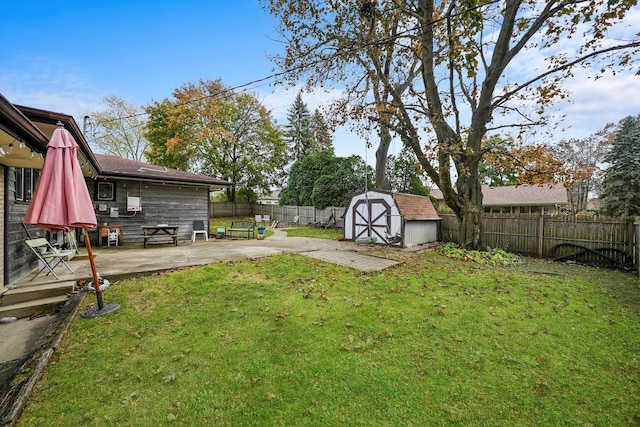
x: 594, y: 103
x: 280, y: 100
x: 50, y: 85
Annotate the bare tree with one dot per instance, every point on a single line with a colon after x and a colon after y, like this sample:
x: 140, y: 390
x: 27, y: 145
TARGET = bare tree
x: 584, y: 158
x: 118, y: 130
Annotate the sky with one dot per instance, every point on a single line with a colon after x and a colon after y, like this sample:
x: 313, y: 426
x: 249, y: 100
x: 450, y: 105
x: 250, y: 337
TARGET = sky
x: 68, y: 56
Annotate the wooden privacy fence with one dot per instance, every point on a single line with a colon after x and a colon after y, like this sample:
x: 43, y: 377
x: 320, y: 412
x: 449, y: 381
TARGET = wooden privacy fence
x: 284, y: 214
x: 229, y: 210
x: 305, y: 214
x: 537, y: 235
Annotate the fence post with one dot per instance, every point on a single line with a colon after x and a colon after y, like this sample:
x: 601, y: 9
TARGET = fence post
x: 631, y: 234
x: 637, y: 224
x: 540, y: 236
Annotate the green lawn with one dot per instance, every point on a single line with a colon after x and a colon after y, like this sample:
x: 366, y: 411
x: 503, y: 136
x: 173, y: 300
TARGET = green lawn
x: 290, y: 341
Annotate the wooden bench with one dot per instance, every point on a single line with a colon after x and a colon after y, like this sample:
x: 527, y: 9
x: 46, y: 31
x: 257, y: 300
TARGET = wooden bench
x: 242, y: 228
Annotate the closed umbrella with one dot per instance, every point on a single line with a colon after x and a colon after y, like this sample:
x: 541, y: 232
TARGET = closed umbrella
x: 61, y: 200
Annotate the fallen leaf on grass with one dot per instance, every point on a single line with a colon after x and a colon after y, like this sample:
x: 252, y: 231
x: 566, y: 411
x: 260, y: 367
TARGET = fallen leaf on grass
x: 127, y: 400
x: 169, y: 378
x: 512, y: 360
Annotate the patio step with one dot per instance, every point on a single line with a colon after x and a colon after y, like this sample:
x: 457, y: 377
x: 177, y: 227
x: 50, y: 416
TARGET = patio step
x: 29, y: 308
x: 33, y: 292
x: 27, y: 300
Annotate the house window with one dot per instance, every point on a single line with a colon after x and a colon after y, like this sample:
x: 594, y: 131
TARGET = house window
x: 26, y: 180
x: 105, y: 191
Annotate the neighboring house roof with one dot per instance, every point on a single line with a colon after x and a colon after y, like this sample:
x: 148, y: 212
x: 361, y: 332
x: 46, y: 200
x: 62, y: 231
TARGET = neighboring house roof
x: 520, y: 195
x: 413, y: 207
x: 273, y: 195
x: 114, y: 166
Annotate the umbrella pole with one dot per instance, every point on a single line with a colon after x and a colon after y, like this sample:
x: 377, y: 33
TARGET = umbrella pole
x: 96, y: 281
x: 96, y: 285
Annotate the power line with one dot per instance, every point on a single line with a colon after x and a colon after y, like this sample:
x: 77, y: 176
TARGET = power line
x: 337, y: 53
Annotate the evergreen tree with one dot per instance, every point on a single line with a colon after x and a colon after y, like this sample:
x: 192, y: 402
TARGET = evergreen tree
x: 299, y: 131
x: 622, y: 178
x: 321, y: 132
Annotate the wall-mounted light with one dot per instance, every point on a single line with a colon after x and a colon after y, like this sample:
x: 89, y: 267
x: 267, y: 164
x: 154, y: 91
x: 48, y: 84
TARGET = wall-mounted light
x: 21, y: 145
x: 2, y: 152
x: 10, y: 147
x: 32, y: 155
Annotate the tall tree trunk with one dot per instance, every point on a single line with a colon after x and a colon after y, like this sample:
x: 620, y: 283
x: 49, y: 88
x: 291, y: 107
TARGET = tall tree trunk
x: 231, y: 194
x: 470, y: 214
x: 382, y: 180
x: 471, y: 227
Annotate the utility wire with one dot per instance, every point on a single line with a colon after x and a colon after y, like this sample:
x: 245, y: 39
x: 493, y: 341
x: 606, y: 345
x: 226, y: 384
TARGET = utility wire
x: 337, y: 53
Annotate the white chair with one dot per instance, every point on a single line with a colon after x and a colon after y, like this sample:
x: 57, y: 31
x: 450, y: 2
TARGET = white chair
x: 49, y: 257
x: 112, y: 237
x: 266, y: 219
x: 199, y: 228
x: 296, y: 220
x: 258, y: 219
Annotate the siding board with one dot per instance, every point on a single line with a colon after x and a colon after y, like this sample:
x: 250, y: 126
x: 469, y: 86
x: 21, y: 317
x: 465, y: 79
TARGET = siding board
x: 161, y: 204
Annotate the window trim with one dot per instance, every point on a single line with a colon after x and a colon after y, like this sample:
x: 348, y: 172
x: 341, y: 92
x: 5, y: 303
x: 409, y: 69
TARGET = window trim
x: 105, y: 191
x: 21, y: 192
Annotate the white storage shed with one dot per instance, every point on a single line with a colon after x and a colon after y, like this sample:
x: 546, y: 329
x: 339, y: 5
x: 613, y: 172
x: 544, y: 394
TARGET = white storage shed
x: 391, y: 218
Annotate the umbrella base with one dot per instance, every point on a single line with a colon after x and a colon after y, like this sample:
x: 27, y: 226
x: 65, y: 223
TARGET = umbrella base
x: 95, y: 312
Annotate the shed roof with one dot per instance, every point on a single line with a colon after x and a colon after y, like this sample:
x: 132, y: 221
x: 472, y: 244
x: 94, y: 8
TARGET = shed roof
x: 520, y: 195
x: 413, y: 207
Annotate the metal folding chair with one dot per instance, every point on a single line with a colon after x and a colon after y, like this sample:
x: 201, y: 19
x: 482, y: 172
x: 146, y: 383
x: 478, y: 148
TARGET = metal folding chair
x: 49, y: 257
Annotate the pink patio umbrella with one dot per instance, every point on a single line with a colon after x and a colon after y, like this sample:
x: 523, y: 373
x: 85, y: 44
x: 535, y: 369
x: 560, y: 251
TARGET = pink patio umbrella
x: 61, y: 200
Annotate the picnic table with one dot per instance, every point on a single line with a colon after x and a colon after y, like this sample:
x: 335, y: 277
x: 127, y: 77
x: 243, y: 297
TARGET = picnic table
x: 160, y: 231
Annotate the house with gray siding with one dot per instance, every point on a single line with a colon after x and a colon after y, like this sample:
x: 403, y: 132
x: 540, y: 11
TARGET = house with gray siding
x: 129, y: 194
x: 125, y: 192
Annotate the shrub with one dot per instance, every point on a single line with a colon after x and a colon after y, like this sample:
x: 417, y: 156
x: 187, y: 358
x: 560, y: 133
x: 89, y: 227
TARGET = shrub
x: 492, y: 256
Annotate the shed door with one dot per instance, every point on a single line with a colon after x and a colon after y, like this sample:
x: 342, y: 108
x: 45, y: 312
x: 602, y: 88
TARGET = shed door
x: 371, y: 217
